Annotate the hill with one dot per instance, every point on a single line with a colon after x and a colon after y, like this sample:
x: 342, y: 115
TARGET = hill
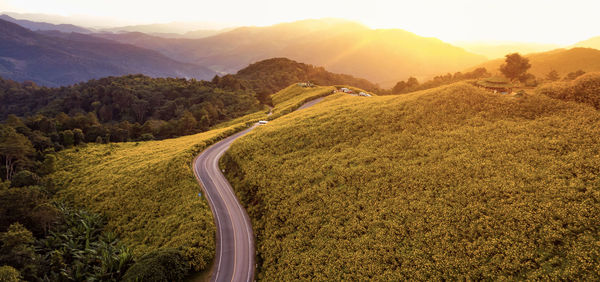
x: 382, y: 56
x: 132, y: 107
x: 561, y: 60
x: 53, y: 61
x: 36, y: 26
x: 449, y: 183
x: 593, y: 42
x: 271, y: 75
x: 495, y: 50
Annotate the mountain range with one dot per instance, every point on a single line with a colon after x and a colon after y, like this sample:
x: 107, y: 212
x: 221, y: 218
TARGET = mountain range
x: 383, y: 56
x: 54, y: 58
x: 36, y: 26
x: 493, y: 50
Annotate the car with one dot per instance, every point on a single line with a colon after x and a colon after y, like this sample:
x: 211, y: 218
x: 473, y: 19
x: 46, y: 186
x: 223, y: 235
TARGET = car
x: 262, y: 122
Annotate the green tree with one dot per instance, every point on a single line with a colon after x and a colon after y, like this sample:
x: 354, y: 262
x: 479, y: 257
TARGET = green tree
x: 574, y: 75
x: 15, y: 150
x: 48, y: 165
x: 399, y: 87
x: 25, y: 178
x: 515, y: 67
x: 78, y: 136
x: 17, y: 247
x: 412, y: 82
x: 187, y: 123
x: 67, y: 137
x: 160, y: 265
x: 552, y: 76
x: 9, y: 274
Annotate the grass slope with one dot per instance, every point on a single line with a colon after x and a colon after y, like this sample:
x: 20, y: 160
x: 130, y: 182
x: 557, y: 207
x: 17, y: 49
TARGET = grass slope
x: 453, y: 182
x: 146, y: 190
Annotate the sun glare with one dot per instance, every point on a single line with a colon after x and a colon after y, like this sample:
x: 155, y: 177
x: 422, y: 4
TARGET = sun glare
x: 560, y: 22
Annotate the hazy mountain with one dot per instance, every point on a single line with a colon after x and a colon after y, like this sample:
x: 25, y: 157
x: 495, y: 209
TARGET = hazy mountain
x: 593, y: 42
x: 383, y: 56
x: 45, y: 26
x: 71, y: 58
x: 170, y: 28
x: 201, y: 33
x: 495, y: 50
x: 78, y: 20
x: 563, y: 61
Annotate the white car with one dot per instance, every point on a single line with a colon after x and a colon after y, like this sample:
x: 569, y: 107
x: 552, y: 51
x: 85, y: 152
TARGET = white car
x: 262, y: 122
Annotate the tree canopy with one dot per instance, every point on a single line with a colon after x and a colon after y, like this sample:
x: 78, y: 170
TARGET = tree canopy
x: 515, y: 67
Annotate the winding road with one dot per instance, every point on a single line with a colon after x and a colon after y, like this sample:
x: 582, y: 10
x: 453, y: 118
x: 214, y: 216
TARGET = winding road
x: 235, y: 255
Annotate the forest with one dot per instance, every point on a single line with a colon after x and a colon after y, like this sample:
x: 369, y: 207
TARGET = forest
x: 454, y: 182
x: 133, y: 107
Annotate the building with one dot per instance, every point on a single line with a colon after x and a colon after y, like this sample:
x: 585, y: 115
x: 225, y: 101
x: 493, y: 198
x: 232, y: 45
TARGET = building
x: 306, y: 84
x: 496, y: 84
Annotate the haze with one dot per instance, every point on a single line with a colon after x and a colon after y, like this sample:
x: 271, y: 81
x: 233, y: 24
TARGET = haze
x: 555, y: 22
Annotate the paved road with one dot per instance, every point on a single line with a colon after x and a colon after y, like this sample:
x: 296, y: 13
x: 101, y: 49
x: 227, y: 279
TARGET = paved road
x: 234, y: 260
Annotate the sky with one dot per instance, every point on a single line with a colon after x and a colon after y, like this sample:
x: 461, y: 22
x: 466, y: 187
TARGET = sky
x: 542, y: 21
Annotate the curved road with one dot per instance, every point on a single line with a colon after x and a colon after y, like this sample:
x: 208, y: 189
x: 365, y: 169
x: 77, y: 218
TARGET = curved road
x: 234, y: 260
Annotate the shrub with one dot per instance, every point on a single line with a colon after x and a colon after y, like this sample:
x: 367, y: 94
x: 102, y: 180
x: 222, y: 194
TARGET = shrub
x: 159, y: 265
x: 147, y: 137
x: 25, y: 178
x: 9, y: 274
x: 585, y: 89
x: 17, y: 247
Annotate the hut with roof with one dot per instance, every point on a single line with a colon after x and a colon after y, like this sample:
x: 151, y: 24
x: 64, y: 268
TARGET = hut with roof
x: 496, y: 84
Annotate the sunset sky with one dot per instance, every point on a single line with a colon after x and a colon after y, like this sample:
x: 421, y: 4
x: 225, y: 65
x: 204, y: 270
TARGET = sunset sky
x: 544, y: 21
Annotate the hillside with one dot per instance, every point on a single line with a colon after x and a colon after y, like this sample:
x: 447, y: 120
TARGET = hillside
x: 561, y: 60
x: 147, y: 192
x: 593, y: 42
x: 449, y: 183
x: 52, y: 61
x: 381, y: 56
x: 272, y: 75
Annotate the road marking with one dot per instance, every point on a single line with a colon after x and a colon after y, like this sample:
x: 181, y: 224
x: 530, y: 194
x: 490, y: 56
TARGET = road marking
x: 216, y: 213
x: 239, y: 205
x: 226, y: 206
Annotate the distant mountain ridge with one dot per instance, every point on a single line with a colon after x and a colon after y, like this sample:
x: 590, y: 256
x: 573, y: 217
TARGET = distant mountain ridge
x: 383, y: 56
x: 71, y: 58
x: 35, y: 26
x: 495, y: 50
